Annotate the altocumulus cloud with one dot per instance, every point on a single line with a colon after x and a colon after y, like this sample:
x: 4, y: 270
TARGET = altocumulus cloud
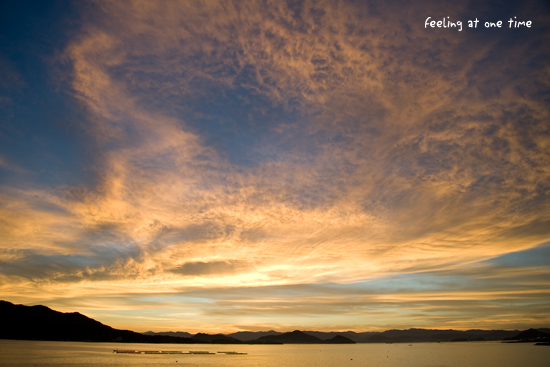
x: 282, y: 144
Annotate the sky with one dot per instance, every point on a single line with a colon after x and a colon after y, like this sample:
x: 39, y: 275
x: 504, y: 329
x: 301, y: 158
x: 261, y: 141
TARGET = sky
x: 216, y: 166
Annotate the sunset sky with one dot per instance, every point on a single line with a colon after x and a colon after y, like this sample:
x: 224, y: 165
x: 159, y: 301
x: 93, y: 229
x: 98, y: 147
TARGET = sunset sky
x: 218, y: 166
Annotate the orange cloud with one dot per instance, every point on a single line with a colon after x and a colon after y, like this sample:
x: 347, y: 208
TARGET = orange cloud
x: 403, y: 151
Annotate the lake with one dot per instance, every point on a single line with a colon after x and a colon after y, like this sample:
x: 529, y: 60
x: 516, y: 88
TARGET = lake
x: 80, y: 354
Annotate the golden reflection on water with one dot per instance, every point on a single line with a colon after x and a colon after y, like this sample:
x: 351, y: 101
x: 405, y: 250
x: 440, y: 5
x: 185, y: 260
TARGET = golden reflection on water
x: 73, y: 354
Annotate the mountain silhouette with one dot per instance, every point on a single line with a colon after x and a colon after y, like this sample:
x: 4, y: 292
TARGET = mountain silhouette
x: 530, y: 335
x: 181, y: 334
x: 251, y: 335
x: 294, y: 337
x: 338, y: 339
x: 42, y: 323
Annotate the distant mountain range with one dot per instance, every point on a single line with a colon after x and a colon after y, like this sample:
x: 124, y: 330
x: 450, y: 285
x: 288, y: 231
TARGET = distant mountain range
x: 389, y: 336
x: 42, y: 323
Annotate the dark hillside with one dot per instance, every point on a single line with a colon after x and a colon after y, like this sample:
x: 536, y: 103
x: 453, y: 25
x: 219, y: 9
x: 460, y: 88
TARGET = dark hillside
x: 42, y: 323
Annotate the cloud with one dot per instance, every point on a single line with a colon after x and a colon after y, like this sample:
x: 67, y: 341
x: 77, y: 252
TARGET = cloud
x: 200, y: 268
x: 486, y: 291
x: 97, y: 264
x: 275, y: 143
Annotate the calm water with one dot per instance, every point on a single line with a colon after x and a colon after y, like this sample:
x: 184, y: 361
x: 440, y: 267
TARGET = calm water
x: 76, y: 354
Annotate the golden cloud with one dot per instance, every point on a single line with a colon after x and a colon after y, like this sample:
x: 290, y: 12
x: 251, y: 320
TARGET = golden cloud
x: 403, y: 150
